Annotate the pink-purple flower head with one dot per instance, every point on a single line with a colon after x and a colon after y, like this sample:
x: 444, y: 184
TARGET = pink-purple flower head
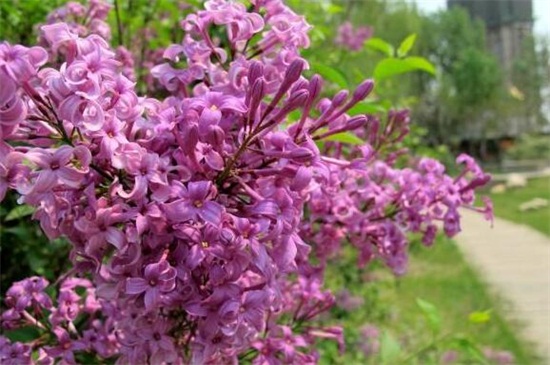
x: 195, y: 203
x: 28, y: 292
x: 351, y: 38
x: 158, y: 279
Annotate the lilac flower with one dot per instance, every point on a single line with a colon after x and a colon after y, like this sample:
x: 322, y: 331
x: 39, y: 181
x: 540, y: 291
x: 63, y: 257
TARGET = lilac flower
x: 20, y: 62
x: 14, y: 353
x: 195, y: 203
x: 160, y: 345
x: 241, y: 25
x: 11, y: 170
x: 102, y: 229
x: 65, y: 347
x: 158, y: 278
x: 213, y: 104
x: 451, y: 223
x: 28, y: 292
x: 55, y: 167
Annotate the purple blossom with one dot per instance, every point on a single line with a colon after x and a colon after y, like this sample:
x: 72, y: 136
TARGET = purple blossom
x: 195, y: 203
x: 65, y: 348
x: 205, y: 206
x: 158, y: 278
x: 14, y: 353
x: 28, y: 292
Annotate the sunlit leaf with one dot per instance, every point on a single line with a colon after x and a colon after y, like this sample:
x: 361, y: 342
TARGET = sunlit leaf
x: 390, y: 67
x: 345, y: 137
x: 390, y: 349
x: 19, y: 212
x: 334, y: 9
x: 380, y: 45
x: 431, y: 313
x: 420, y: 63
x: 393, y: 66
x: 367, y: 108
x: 480, y: 317
x: 406, y: 45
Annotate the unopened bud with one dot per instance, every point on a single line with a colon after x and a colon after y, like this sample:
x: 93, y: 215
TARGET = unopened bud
x: 339, y: 98
x: 293, y: 72
x: 301, y: 154
x: 256, y: 95
x: 363, y: 90
x: 299, y: 85
x: 255, y: 71
x: 315, y: 86
x: 356, y: 122
x: 297, y: 99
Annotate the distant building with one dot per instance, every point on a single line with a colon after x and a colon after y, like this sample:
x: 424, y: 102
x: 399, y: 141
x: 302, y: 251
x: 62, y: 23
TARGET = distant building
x: 508, y: 24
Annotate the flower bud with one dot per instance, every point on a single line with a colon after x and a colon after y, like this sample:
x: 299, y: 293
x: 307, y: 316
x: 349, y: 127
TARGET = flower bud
x: 255, y: 71
x: 356, y: 122
x: 293, y: 73
x: 315, y: 86
x: 339, y: 98
x: 256, y: 95
x: 363, y: 90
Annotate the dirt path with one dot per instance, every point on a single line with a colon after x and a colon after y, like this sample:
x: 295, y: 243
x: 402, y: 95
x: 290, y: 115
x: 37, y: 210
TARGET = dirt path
x: 515, y: 260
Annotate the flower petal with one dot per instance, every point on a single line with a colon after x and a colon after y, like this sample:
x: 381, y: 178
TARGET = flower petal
x: 136, y: 286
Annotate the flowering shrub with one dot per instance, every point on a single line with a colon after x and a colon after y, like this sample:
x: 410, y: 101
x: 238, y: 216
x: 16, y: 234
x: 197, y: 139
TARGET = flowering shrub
x: 201, y: 222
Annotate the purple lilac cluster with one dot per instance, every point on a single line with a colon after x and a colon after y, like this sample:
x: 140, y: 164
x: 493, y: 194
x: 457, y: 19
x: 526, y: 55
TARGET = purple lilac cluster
x: 352, y: 38
x: 29, y: 305
x: 84, y: 20
x: 203, y: 220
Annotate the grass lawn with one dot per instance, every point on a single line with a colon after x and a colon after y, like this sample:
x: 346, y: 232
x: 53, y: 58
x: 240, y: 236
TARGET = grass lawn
x: 437, y: 275
x: 507, y: 204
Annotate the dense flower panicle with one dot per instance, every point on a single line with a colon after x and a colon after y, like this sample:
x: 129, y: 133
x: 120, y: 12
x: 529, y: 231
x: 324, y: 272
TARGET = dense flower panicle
x: 196, y: 217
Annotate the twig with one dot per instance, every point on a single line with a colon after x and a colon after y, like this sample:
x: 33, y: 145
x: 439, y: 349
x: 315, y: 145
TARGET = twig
x: 119, y: 24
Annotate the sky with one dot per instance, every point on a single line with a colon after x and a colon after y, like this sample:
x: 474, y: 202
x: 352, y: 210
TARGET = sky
x: 541, y: 12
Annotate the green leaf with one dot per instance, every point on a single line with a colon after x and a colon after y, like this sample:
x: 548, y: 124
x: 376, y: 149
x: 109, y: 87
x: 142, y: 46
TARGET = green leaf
x: 334, y: 9
x: 19, y: 212
x: 406, y: 45
x: 393, y: 66
x: 431, y: 313
x: 480, y: 317
x: 380, y: 45
x: 390, y: 349
x: 331, y: 74
x: 345, y: 137
x: 318, y: 34
x: 420, y: 63
x: 23, y: 334
x: 390, y: 67
x: 469, y: 347
x: 367, y: 108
